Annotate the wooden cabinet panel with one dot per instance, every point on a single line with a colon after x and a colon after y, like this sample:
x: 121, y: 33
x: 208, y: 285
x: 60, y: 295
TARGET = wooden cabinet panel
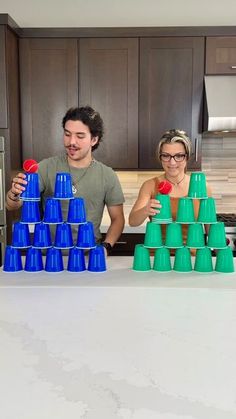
x: 108, y: 81
x: 221, y: 55
x: 49, y: 86
x: 171, y: 90
x: 3, y: 79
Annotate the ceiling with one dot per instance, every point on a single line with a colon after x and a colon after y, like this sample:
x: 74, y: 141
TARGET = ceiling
x: 119, y: 13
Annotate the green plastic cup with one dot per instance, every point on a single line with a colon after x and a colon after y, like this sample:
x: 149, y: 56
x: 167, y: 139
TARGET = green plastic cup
x: 183, y: 262
x: 207, y: 211
x: 216, y: 236
x: 153, y: 235
x: 165, y: 215
x: 224, y: 260
x: 141, y: 260
x: 197, y: 186
x: 162, y: 261
x: 174, y: 238
x: 195, y: 236
x: 203, y: 260
x: 185, y: 211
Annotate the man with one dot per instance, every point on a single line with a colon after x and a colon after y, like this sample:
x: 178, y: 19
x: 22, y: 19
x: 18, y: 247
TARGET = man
x: 95, y: 182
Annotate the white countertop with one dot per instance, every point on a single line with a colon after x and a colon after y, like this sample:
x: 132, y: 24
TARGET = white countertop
x: 118, y: 345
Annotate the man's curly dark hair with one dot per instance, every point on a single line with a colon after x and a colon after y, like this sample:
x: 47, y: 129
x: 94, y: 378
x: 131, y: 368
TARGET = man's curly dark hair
x: 89, y: 117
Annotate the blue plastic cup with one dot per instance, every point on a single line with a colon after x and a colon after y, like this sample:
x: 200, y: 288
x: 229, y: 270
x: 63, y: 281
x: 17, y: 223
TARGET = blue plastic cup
x: 85, y: 237
x: 30, y: 213
x: 12, y: 260
x: 76, y: 211
x: 52, y: 212
x: 63, y: 186
x: 63, y: 237
x: 76, y: 260
x: 97, y: 259
x: 31, y: 192
x: 33, y: 260
x: 21, y: 235
x: 54, y: 261
x: 42, y: 236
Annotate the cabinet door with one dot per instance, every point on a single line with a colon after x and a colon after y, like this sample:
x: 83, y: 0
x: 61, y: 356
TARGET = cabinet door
x: 49, y: 86
x: 171, y: 91
x: 221, y: 55
x: 108, y: 81
x: 3, y: 80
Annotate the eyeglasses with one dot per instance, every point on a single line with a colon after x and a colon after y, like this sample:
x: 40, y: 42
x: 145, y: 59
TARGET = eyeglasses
x: 177, y: 157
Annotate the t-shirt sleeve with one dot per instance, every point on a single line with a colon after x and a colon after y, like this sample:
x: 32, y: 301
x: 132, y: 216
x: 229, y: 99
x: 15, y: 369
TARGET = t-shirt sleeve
x: 114, y: 194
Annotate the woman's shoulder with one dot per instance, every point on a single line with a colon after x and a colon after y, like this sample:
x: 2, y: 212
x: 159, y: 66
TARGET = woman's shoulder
x: 150, y: 186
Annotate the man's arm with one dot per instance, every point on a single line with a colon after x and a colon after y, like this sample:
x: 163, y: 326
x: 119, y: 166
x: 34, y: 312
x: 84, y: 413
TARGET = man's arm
x: 116, y: 214
x: 12, y: 197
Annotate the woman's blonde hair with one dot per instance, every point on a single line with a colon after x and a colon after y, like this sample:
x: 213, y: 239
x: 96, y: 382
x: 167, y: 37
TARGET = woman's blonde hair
x: 174, y: 136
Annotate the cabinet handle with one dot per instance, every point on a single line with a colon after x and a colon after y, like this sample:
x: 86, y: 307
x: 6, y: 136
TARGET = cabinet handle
x: 196, y: 149
x: 233, y: 67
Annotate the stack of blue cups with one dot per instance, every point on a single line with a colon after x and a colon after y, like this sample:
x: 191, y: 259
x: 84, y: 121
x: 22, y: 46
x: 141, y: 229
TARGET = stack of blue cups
x: 30, y: 214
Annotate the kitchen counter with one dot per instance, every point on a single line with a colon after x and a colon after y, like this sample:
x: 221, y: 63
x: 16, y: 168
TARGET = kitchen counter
x: 118, y: 345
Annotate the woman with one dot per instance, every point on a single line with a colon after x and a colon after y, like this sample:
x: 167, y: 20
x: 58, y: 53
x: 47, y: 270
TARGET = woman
x: 173, y: 151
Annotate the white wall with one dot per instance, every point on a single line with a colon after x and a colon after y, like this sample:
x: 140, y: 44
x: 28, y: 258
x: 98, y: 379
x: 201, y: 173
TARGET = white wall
x: 120, y: 13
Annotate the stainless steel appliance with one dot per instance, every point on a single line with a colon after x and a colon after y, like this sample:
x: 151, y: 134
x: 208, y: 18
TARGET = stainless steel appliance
x: 229, y: 220
x: 3, y: 227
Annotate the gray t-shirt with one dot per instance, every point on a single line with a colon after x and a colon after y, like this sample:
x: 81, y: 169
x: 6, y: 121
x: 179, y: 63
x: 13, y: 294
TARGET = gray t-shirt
x: 97, y: 184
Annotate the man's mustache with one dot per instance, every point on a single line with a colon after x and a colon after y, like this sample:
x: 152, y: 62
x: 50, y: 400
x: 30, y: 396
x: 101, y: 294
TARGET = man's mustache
x: 71, y: 147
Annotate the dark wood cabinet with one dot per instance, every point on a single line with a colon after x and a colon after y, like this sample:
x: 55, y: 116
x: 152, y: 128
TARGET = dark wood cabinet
x: 108, y: 81
x: 9, y: 100
x: 49, y: 86
x: 3, y: 79
x: 141, y: 87
x: 171, y: 92
x: 10, y: 109
x: 221, y: 55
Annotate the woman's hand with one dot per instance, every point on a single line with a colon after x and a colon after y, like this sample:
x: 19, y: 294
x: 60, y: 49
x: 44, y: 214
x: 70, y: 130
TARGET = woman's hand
x: 152, y: 207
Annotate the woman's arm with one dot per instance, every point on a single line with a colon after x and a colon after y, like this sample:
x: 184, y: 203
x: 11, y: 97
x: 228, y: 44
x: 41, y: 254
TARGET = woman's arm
x: 145, y: 206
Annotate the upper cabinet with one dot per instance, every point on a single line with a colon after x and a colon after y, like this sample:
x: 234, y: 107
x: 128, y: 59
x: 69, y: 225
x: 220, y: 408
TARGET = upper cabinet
x: 108, y: 81
x: 9, y: 99
x: 167, y: 94
x: 49, y: 86
x: 171, y: 91
x: 141, y: 87
x: 221, y: 55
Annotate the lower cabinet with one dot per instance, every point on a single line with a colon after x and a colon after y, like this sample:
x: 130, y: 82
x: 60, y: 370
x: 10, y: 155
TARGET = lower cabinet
x: 126, y: 244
